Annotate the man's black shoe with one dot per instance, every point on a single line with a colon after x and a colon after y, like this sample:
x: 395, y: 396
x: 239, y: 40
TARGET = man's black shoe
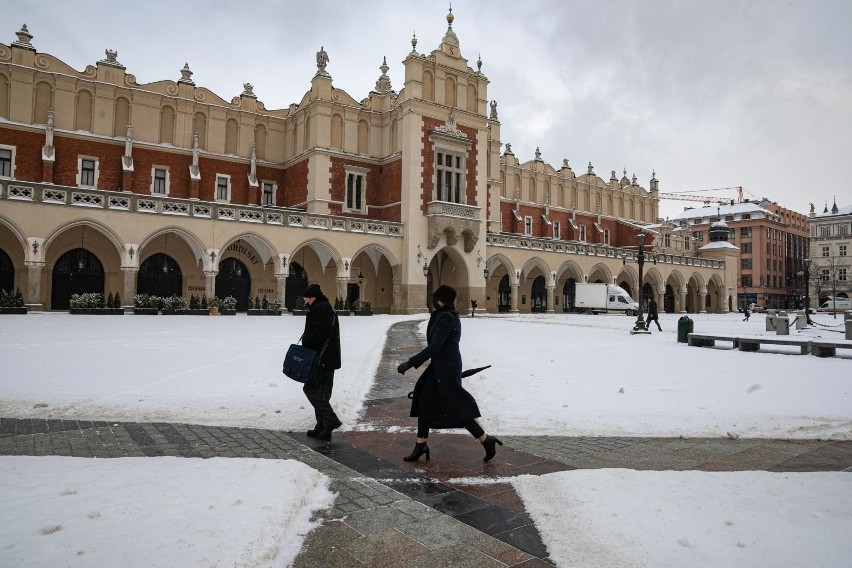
x: 325, y: 433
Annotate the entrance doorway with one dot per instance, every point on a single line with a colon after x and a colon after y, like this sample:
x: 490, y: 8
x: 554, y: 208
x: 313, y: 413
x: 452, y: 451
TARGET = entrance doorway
x: 569, y: 292
x: 234, y: 280
x: 538, y: 296
x: 504, y: 295
x: 297, y: 281
x: 78, y: 271
x: 7, y: 272
x: 159, y: 275
x: 669, y: 300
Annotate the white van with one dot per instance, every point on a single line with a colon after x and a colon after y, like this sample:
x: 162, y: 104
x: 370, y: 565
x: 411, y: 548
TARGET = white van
x: 836, y: 305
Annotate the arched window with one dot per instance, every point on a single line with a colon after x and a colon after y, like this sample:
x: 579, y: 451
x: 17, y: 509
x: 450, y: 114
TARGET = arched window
x: 260, y: 141
x: 306, y: 143
x: 450, y: 92
x: 167, y: 125
x: 533, y: 190
x: 363, y: 137
x: 471, y: 98
x: 428, y: 86
x: 43, y: 102
x: 337, y: 131
x: 121, y: 118
x: 503, y: 188
x: 232, y: 131
x: 394, y: 136
x: 83, y: 114
x: 4, y: 96
x: 199, y: 126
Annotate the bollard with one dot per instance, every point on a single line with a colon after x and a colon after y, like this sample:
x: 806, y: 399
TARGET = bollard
x: 849, y: 329
x: 782, y: 326
x: 801, y: 320
x: 770, y: 322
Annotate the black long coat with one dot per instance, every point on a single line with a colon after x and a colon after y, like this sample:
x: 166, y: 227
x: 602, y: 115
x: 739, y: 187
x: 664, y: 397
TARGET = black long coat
x: 320, y: 325
x: 438, y: 394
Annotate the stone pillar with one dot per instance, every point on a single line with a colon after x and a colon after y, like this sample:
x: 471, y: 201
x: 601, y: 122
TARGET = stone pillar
x: 33, y: 298
x: 702, y: 301
x: 342, y: 284
x: 514, y: 295
x: 550, y: 288
x: 683, y: 292
x: 130, y: 273
x: 281, y: 283
x: 210, y: 283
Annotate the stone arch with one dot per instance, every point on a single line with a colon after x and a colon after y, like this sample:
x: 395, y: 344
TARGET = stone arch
x: 4, y: 96
x: 16, y: 232
x: 167, y: 125
x: 535, y: 281
x: 260, y: 141
x: 337, y: 131
x: 428, y: 86
x: 43, y: 101
x: 106, y: 231
x: 378, y: 266
x: 448, y: 266
x: 450, y: 91
x: 628, y: 279
x: 471, y: 97
x: 194, y: 243
x: 394, y: 147
x: 363, y: 137
x: 264, y: 247
x: 199, y: 126
x: 717, y: 295
x: 600, y: 273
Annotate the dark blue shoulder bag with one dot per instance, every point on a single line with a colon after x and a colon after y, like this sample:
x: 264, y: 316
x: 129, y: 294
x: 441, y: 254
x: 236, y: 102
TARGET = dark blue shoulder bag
x: 302, y: 363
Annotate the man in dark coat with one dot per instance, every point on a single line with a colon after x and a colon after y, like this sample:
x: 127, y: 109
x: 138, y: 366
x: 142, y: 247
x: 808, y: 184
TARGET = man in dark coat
x: 322, y: 330
x: 652, y: 315
x: 439, y: 400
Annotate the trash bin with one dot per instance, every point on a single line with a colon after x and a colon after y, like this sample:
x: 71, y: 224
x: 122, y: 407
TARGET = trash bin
x: 684, y: 328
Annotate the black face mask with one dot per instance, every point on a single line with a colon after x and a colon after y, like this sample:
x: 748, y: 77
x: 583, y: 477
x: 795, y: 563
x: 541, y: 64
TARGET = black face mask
x: 435, y: 303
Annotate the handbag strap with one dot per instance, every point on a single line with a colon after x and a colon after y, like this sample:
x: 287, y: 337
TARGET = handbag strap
x: 324, y: 345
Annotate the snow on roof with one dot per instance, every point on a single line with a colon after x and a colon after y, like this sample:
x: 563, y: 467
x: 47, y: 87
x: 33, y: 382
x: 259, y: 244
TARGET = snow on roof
x: 716, y: 210
x: 840, y: 211
x: 719, y: 245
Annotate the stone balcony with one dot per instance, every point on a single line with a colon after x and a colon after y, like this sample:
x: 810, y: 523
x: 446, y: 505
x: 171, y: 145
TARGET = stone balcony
x: 453, y: 220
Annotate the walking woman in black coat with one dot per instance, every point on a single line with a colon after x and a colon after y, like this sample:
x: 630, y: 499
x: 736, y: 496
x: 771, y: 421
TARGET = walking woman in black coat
x: 439, y: 400
x: 322, y: 334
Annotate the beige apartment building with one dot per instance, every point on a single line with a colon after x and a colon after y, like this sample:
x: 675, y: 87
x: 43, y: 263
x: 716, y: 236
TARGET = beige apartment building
x: 773, y: 243
x: 830, y: 271
x: 112, y: 186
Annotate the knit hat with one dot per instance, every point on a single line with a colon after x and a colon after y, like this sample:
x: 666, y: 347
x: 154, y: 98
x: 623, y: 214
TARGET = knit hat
x: 312, y: 291
x: 447, y: 294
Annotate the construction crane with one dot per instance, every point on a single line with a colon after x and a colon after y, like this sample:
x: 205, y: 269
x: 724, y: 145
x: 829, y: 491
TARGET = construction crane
x: 707, y: 199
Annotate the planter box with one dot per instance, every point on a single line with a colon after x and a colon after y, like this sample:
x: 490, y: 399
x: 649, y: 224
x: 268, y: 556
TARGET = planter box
x: 97, y: 311
x: 16, y: 311
x: 145, y: 311
x: 364, y: 313
x: 198, y: 312
x: 174, y: 312
x: 300, y: 312
x: 343, y: 313
x: 254, y: 312
x: 223, y: 312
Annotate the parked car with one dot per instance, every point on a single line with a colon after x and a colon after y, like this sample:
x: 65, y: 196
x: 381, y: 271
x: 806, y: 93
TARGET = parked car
x: 755, y: 309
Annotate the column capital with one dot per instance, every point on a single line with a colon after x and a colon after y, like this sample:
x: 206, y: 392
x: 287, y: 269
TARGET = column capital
x: 130, y: 269
x: 34, y: 263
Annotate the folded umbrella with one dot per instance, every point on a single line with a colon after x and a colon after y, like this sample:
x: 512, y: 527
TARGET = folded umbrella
x: 464, y: 374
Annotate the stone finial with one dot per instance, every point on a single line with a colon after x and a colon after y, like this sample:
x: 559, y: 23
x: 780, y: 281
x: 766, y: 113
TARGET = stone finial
x: 538, y: 155
x: 565, y: 165
x: 479, y: 64
x: 612, y: 176
x: 508, y: 151
x: 186, y: 75
x: 248, y: 91
x: 591, y: 169
x: 493, y: 115
x: 414, y: 43
x: 633, y: 181
x: 834, y: 208
x: 322, y: 61
x: 24, y: 37
x: 450, y: 18
x: 383, y: 84
x: 111, y: 56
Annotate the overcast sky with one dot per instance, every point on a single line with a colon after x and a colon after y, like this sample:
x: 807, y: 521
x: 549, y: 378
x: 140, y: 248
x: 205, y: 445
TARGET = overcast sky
x: 707, y: 94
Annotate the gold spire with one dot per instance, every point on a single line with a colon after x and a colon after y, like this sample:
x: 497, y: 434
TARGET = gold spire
x: 450, y: 17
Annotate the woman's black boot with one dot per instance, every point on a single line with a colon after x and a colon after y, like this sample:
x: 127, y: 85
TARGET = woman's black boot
x: 490, y: 444
x: 420, y: 448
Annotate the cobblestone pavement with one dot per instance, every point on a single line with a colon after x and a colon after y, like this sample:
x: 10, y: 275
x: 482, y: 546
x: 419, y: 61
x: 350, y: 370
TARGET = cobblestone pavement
x: 392, y: 513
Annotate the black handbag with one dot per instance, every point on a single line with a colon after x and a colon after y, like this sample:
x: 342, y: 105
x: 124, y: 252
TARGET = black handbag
x: 302, y: 363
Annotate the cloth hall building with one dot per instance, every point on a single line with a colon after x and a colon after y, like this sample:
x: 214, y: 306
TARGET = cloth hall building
x: 112, y: 186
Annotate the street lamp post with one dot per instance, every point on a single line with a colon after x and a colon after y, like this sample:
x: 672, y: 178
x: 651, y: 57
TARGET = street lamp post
x: 639, y: 327
x: 807, y: 263
x: 745, y: 298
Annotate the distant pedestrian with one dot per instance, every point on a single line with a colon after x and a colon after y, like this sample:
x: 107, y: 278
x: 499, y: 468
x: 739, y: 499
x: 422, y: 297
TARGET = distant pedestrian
x: 472, y: 307
x: 322, y: 333
x: 652, y: 315
x: 439, y: 400
x: 746, y: 313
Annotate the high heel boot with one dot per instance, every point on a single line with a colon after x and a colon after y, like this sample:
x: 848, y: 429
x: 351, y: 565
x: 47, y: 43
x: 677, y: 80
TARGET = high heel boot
x: 420, y: 448
x: 490, y: 444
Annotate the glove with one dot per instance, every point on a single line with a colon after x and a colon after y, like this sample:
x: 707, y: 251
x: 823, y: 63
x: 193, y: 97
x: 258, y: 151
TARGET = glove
x: 403, y: 367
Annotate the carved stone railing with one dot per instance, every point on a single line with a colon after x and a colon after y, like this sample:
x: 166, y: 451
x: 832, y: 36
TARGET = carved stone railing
x: 586, y: 249
x: 452, y: 220
x: 50, y: 194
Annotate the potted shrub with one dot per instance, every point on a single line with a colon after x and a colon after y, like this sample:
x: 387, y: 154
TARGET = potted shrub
x: 89, y: 303
x: 198, y: 306
x: 228, y: 307
x: 255, y: 307
x: 145, y: 304
x: 215, y: 304
x: 338, y: 307
x: 116, y: 308
x: 299, y: 307
x: 174, y: 305
x: 12, y: 303
x: 274, y: 307
x: 365, y: 308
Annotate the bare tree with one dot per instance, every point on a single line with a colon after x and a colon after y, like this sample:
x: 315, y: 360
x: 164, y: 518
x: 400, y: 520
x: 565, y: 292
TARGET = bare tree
x: 830, y: 275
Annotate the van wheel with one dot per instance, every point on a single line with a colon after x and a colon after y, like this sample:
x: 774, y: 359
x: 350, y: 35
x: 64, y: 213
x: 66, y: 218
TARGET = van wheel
x: 590, y: 312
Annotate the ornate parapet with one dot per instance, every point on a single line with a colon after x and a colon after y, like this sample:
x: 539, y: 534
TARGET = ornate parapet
x: 452, y: 220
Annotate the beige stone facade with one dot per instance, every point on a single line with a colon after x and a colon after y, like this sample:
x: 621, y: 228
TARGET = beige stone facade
x: 113, y: 186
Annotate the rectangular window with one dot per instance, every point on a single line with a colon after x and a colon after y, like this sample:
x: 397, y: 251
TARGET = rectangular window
x: 746, y: 281
x: 746, y: 248
x: 841, y: 274
x: 268, y: 196
x: 557, y: 230
x: 745, y: 232
x: 667, y: 240
x: 745, y: 263
x: 449, y: 177
x: 842, y: 250
x: 606, y: 236
x: 7, y: 159
x: 87, y: 171
x: 223, y: 188
x: 528, y: 225
x: 824, y: 275
x: 698, y: 236
x: 825, y: 251
x: 842, y: 230
x: 825, y: 231
x: 583, y: 233
x: 746, y: 217
x: 160, y: 181
x: 356, y: 186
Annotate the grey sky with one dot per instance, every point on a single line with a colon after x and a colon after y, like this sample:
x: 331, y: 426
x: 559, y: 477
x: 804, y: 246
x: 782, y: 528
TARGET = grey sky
x: 708, y: 94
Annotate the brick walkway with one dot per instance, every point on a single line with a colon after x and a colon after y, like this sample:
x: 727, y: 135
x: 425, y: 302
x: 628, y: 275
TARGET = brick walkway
x: 392, y: 513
